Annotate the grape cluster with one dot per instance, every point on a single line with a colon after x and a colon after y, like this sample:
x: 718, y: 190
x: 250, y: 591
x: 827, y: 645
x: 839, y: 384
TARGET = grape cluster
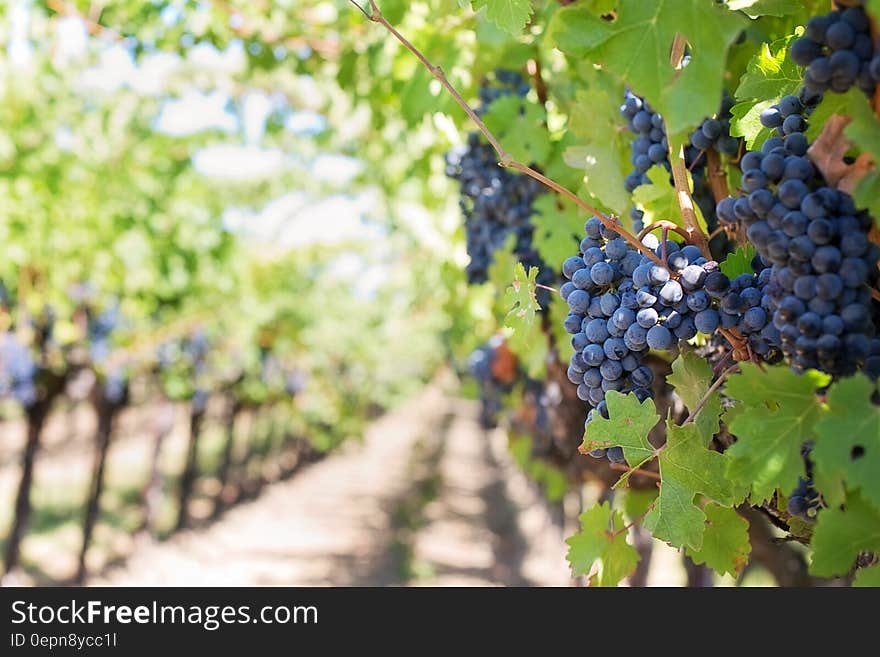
x: 17, y: 371
x: 506, y: 83
x: 838, y: 52
x: 804, y: 501
x: 815, y: 241
x: 650, y: 148
x: 490, y: 389
x: 622, y: 304
x: 496, y: 202
x: 100, y: 328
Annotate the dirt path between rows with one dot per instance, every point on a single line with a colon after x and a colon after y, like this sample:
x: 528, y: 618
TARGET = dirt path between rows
x: 428, y: 498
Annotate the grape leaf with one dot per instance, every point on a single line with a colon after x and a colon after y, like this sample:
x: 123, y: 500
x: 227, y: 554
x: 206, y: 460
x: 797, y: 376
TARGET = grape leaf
x: 520, y: 297
x: 726, y: 545
x: 528, y: 341
x: 868, y: 577
x: 509, y: 15
x: 769, y: 76
x: 687, y: 468
x: 600, y: 7
x: 848, y: 441
x: 636, y: 47
x: 660, y: 201
x: 867, y: 194
x: 755, y: 8
x: 842, y: 533
x: 778, y: 414
x: 628, y: 427
x: 738, y: 262
x: 745, y: 122
x: 692, y: 377
x: 558, y: 313
x: 597, y: 545
x: 576, y: 29
x: 519, y: 125
x: 557, y: 225
x: 601, y: 147
x: 637, y: 502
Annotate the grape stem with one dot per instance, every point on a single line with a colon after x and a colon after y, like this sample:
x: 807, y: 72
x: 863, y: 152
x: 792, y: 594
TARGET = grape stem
x: 547, y: 287
x: 668, y: 225
x: 505, y: 159
x: 695, y: 234
x: 625, y: 468
x: 709, y: 392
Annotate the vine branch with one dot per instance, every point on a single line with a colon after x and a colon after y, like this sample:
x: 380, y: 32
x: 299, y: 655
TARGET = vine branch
x: 696, y: 235
x: 505, y: 159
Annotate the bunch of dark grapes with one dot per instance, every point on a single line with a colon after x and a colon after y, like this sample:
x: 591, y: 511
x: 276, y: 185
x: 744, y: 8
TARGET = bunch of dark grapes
x: 815, y: 241
x: 805, y: 500
x: 838, y: 52
x: 491, y: 389
x: 622, y: 304
x: 17, y: 371
x: 650, y: 148
x: 496, y: 202
x: 100, y: 328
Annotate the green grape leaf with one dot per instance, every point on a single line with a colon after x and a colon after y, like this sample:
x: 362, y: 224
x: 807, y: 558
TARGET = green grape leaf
x: 842, y: 533
x: 558, y: 313
x: 600, y: 547
x: 755, y: 8
x: 636, y: 48
x: 600, y: 7
x: 868, y: 577
x: 519, y: 124
x: 847, y: 445
x: 692, y: 377
x: 557, y: 226
x: 738, y: 262
x: 509, y: 15
x: 867, y: 194
x: 660, y: 201
x: 769, y: 76
x: 576, y: 29
x: 628, y: 427
x: 779, y: 412
x: 601, y: 146
x: 726, y: 545
x: 520, y: 297
x: 745, y: 122
x: 687, y: 468
x: 527, y: 341
x: 637, y: 502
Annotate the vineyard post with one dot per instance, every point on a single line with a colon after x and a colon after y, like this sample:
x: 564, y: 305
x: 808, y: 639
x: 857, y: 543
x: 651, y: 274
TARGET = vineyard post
x: 233, y: 410
x: 36, y: 420
x: 107, y: 412
x: 190, y: 470
x: 152, y: 493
